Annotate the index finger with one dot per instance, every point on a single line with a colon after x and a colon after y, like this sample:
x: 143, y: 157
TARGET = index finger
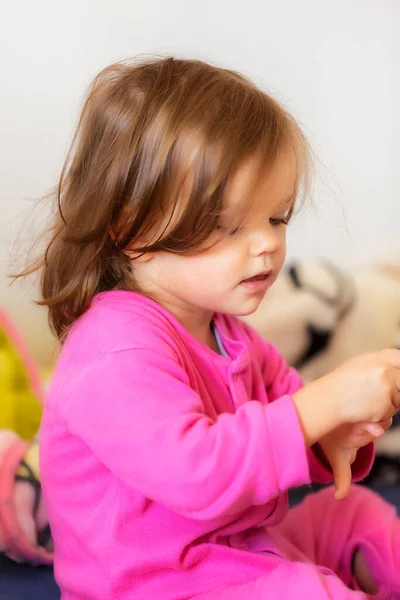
x: 341, y: 469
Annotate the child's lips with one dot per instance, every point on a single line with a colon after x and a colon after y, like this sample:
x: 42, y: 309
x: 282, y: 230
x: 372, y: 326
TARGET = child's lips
x: 259, y: 277
x: 258, y: 282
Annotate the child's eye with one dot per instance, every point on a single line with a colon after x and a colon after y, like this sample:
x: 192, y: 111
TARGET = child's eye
x: 280, y: 221
x: 284, y: 219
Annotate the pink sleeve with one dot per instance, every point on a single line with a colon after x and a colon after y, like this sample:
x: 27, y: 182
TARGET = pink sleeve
x: 363, y: 463
x: 280, y: 379
x: 139, y: 416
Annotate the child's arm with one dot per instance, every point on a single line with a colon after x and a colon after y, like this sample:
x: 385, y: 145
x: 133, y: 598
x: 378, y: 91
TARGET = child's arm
x: 281, y: 379
x: 137, y: 412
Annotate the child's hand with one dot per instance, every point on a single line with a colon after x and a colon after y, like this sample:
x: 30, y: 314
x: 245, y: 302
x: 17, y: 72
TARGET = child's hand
x: 369, y: 387
x: 365, y: 389
x: 340, y: 450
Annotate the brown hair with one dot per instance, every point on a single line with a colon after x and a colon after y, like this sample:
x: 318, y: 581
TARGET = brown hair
x: 143, y: 125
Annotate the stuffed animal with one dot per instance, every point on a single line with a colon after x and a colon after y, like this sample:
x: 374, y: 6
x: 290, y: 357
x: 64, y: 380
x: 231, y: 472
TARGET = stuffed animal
x: 24, y: 529
x: 319, y: 315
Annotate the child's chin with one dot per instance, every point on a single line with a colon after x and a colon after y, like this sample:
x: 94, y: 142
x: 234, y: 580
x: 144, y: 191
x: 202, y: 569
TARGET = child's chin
x: 246, y: 311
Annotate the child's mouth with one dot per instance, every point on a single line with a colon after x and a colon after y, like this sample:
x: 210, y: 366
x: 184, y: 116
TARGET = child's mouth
x: 257, y: 283
x: 261, y: 277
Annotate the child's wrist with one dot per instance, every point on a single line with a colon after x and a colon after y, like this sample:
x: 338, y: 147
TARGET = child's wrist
x: 318, y: 414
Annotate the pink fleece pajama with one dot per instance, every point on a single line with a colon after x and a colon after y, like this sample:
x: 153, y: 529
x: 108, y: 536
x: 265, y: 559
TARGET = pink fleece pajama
x: 165, y: 467
x: 314, y: 546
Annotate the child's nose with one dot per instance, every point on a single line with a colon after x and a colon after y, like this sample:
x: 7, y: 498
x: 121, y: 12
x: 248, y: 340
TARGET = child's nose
x: 265, y: 241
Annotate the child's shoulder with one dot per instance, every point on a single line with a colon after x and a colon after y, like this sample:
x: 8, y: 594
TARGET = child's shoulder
x: 120, y: 320
x: 118, y: 333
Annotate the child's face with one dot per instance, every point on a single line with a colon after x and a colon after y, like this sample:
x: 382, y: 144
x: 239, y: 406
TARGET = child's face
x: 233, y: 275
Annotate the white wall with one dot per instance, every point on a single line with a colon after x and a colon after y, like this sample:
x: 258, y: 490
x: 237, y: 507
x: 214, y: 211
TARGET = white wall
x: 335, y: 65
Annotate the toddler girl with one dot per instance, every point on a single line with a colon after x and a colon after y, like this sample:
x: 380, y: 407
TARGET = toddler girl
x: 172, y: 432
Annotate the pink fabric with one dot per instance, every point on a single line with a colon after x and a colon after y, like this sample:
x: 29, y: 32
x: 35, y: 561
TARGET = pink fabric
x: 159, y: 457
x: 316, y: 550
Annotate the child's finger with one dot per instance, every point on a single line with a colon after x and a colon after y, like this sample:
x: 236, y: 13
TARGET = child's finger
x: 374, y: 429
x: 386, y: 424
x: 341, y: 468
x: 362, y: 434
